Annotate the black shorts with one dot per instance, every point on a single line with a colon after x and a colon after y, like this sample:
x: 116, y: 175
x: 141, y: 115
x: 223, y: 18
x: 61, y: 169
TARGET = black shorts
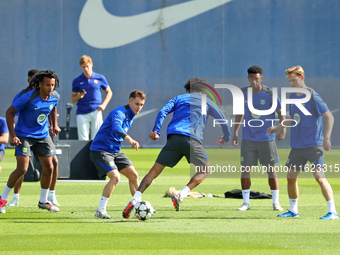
x: 252, y: 152
x: 178, y: 146
x: 298, y: 158
x: 106, y: 162
x: 41, y: 147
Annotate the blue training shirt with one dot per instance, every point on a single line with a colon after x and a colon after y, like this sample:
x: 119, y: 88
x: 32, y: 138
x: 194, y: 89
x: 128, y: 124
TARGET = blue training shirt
x: 187, y: 117
x: 3, y: 129
x: 308, y: 131
x: 113, y: 131
x: 19, y: 94
x: 92, y: 86
x: 33, y: 114
x: 253, y: 130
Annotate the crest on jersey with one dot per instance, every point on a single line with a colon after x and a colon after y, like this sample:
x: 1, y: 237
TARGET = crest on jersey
x: 41, y: 117
x: 297, y: 118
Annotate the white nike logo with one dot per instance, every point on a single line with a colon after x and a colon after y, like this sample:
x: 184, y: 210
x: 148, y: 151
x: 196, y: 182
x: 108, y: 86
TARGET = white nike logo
x: 100, y: 29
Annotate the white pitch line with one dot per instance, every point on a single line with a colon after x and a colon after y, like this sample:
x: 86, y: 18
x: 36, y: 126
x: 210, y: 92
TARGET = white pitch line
x: 94, y: 181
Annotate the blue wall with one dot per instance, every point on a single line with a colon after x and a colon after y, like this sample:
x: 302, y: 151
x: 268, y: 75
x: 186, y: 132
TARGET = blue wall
x: 219, y: 44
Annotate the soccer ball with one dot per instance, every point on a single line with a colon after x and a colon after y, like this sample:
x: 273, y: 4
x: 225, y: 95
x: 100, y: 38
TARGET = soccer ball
x: 143, y: 210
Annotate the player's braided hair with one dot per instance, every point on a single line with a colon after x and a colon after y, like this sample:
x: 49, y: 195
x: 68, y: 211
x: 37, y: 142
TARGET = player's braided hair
x: 195, y: 84
x: 39, y: 77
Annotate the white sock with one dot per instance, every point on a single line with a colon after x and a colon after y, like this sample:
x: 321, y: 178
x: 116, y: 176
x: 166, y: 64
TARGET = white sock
x: 184, y: 192
x: 52, y: 193
x: 137, y: 196
x: 16, y: 196
x: 43, y: 196
x: 331, y: 206
x: 293, y: 205
x: 245, y: 195
x: 6, y: 192
x: 275, y: 196
x: 102, y: 204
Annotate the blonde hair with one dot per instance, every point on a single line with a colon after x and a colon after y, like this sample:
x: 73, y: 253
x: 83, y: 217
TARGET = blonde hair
x: 85, y: 60
x: 298, y: 70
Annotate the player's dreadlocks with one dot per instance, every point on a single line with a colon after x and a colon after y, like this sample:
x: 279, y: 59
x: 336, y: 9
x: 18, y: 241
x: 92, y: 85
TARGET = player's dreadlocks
x: 195, y: 84
x: 39, y: 77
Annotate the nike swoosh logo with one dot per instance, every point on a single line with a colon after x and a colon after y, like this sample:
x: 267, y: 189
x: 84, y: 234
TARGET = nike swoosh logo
x: 100, y: 29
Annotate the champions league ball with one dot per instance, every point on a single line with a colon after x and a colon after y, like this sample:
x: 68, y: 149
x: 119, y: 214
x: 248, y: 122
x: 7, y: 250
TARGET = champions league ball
x: 143, y: 210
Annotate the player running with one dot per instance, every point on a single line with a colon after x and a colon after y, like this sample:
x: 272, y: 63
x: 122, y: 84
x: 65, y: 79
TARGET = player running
x: 32, y: 133
x: 105, y: 148
x: 184, y: 138
x: 51, y: 197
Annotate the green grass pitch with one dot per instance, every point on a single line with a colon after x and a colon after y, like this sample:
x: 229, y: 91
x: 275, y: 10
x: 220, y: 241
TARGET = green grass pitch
x: 203, y: 226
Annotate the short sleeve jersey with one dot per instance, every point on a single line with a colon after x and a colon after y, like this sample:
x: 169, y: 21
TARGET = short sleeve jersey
x: 308, y: 131
x: 255, y: 127
x: 92, y: 86
x: 33, y: 114
x: 19, y: 95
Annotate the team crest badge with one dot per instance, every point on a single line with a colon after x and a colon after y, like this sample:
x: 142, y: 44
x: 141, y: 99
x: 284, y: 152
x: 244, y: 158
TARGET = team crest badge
x: 96, y: 81
x: 51, y: 106
x: 263, y: 101
x: 297, y: 118
x: 41, y: 117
